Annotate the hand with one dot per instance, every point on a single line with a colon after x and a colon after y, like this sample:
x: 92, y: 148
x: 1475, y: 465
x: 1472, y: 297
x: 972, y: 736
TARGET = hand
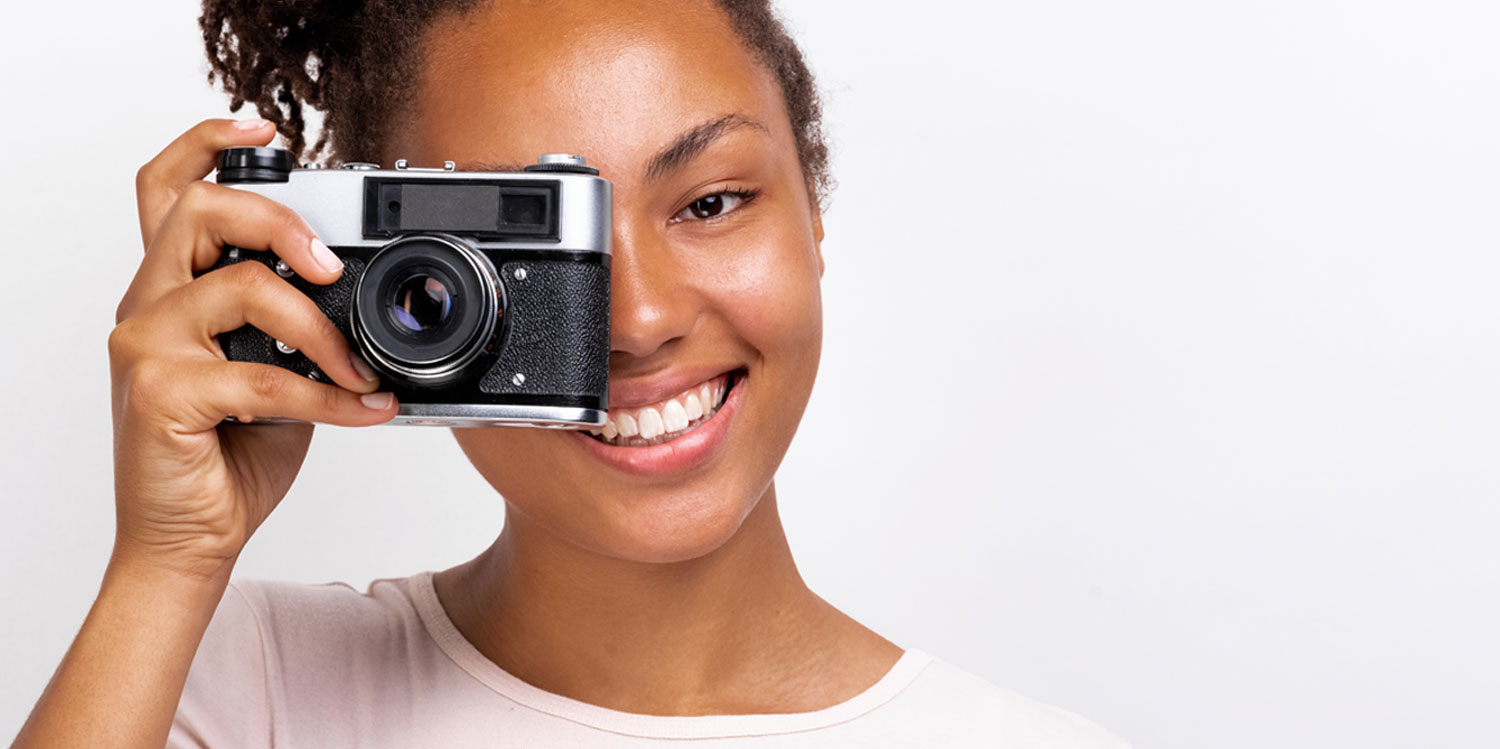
x: 190, y: 490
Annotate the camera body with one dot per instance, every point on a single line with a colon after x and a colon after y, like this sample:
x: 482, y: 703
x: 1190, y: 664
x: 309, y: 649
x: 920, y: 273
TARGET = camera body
x: 481, y: 298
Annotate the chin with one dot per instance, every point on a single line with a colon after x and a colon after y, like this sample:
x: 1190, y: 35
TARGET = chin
x: 672, y: 528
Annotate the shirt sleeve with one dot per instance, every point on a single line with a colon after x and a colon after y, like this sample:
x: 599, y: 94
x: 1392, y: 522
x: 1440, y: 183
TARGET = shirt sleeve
x: 226, y: 699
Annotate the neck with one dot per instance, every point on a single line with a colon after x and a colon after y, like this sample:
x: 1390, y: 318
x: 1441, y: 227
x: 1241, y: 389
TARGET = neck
x: 735, y: 631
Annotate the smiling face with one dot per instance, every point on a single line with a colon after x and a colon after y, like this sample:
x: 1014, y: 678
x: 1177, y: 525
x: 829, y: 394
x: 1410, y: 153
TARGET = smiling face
x: 716, y: 266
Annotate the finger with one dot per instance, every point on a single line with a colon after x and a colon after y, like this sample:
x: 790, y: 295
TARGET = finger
x: 249, y: 391
x: 251, y: 293
x: 205, y: 219
x: 188, y: 158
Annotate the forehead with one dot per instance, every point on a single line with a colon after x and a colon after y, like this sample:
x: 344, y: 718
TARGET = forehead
x: 611, y: 80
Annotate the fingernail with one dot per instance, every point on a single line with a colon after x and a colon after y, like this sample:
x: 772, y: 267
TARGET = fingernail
x: 362, y: 367
x: 254, y: 124
x: 377, y: 401
x: 325, y: 257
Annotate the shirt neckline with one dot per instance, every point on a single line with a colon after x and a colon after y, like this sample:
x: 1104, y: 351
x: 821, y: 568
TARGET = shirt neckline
x: 424, y: 598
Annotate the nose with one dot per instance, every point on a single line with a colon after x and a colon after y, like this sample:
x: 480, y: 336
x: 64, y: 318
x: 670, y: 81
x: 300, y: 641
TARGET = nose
x: 652, y: 304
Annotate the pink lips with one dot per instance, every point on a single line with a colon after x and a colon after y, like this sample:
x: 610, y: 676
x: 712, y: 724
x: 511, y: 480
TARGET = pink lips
x: 689, y: 451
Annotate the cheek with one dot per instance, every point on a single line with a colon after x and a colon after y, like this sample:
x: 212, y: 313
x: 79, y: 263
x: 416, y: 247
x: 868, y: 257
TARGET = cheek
x: 769, y: 293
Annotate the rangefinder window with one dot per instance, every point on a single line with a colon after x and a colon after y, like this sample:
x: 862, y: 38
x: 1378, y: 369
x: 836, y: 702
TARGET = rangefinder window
x: 473, y: 208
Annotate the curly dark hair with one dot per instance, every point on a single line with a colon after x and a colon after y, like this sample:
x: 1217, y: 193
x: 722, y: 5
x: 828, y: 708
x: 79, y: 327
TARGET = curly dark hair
x: 351, y: 59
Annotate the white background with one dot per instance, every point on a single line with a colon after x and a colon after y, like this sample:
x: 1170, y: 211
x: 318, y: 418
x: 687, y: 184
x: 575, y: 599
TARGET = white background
x: 1160, y: 378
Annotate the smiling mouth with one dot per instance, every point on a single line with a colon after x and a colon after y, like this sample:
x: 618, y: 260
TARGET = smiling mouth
x: 669, y: 419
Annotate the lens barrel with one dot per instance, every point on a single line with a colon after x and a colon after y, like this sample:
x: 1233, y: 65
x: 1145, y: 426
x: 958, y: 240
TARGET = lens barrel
x: 428, y: 309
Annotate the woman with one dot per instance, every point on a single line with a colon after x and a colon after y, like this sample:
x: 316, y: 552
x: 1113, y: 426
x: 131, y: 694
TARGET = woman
x: 642, y: 588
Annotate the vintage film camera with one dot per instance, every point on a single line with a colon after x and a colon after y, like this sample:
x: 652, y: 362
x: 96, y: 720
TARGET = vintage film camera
x: 481, y: 298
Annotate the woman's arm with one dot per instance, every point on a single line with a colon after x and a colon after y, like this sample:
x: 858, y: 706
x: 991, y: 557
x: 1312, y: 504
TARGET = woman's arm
x: 120, y: 681
x: 190, y: 490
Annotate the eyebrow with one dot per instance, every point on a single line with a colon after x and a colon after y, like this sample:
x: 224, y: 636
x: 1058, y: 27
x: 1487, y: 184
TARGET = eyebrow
x: 691, y: 143
x: 684, y: 149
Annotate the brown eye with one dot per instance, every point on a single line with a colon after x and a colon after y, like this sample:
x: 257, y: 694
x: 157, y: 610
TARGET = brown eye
x: 713, y: 206
x: 707, y: 207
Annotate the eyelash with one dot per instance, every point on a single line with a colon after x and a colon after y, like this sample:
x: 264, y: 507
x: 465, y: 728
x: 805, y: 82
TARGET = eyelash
x: 744, y: 196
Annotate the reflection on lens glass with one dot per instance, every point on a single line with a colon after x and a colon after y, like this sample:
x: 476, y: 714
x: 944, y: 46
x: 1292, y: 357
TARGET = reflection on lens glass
x: 422, y: 303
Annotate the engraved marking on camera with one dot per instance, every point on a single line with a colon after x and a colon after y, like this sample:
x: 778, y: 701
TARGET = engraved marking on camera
x: 285, y: 349
x: 284, y: 270
x: 517, y: 379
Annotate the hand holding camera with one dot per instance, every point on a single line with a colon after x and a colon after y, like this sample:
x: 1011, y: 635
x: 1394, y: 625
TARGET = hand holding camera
x: 189, y: 492
x: 476, y: 298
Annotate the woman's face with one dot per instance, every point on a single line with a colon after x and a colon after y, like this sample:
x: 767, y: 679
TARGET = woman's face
x: 716, y: 261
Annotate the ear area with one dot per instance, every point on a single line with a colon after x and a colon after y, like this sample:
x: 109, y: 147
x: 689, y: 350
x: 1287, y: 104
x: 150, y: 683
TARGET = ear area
x: 817, y: 226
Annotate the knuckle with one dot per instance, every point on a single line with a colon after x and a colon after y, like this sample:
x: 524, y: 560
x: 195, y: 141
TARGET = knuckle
x: 322, y: 327
x: 196, y: 194
x: 121, y: 343
x: 147, y: 382
x: 267, y: 383
x: 286, y: 220
x: 332, y: 398
x: 145, y: 177
x: 254, y: 278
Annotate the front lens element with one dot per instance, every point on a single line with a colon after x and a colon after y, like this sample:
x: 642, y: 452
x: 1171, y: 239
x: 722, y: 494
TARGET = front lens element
x: 427, y: 311
x: 421, y: 304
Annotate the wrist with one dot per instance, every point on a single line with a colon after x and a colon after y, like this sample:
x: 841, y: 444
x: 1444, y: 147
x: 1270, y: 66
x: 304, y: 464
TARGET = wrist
x: 175, y: 569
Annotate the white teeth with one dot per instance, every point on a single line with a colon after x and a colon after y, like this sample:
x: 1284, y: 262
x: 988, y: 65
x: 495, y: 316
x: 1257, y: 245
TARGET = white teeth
x: 673, y: 416
x: 627, y: 426
x: 651, y: 424
x: 665, y: 420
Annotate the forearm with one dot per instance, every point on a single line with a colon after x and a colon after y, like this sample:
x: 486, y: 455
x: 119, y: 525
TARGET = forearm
x: 119, y: 683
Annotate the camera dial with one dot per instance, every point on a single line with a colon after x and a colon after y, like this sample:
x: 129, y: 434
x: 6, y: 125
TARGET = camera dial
x: 255, y: 164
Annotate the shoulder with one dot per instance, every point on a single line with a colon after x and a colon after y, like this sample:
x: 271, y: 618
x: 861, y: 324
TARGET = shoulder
x: 287, y: 607
x: 970, y: 708
x: 272, y: 650
x: 324, y: 623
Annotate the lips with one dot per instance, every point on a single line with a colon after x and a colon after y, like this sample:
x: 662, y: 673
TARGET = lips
x: 681, y: 441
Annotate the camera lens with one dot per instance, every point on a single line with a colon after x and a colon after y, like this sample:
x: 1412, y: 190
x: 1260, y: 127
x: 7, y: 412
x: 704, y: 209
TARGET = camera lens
x: 427, y: 310
x: 421, y: 304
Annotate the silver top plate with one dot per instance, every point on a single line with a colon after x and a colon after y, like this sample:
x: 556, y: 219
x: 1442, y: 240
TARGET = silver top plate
x: 332, y: 201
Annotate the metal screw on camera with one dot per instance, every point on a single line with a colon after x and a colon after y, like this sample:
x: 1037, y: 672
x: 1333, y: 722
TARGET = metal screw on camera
x: 285, y: 349
x: 517, y: 379
x: 520, y: 274
x: 283, y: 270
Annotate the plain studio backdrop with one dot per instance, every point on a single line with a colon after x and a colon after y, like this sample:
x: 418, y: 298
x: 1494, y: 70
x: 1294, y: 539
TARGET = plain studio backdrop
x: 1161, y: 378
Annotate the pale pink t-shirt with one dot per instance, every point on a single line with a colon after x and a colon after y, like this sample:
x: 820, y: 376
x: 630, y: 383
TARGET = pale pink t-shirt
x: 294, y: 665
